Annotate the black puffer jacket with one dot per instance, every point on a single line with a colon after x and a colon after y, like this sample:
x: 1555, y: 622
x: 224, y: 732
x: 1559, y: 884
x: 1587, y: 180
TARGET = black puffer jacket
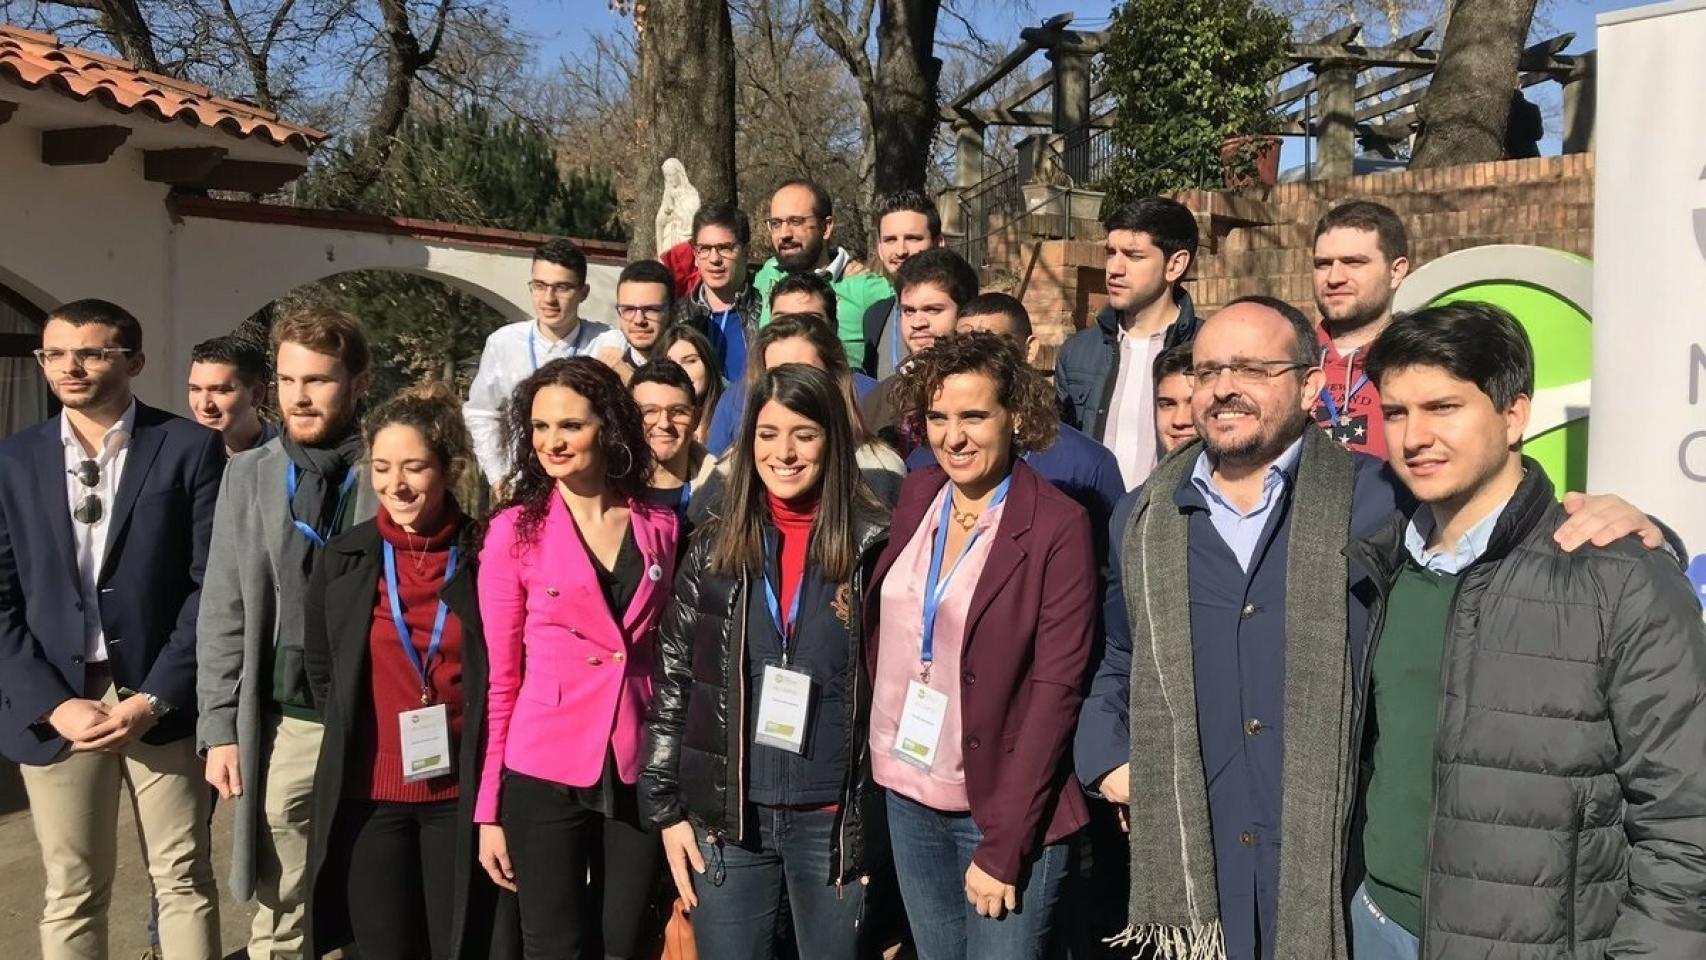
x: 1569, y: 803
x: 696, y: 759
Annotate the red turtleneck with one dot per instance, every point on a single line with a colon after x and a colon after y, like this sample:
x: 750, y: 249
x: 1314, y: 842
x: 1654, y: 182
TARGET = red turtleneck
x: 793, y: 519
x: 375, y: 771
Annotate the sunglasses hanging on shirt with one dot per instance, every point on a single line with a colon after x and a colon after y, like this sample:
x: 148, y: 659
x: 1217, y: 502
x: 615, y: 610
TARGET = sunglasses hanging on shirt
x: 89, y: 509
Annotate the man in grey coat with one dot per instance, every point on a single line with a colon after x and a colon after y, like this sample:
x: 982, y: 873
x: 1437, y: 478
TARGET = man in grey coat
x: 279, y: 504
x: 1533, y: 734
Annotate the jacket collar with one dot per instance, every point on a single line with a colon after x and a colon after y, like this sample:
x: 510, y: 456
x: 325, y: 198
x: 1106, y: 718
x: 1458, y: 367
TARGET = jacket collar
x: 1182, y: 329
x: 1383, y: 552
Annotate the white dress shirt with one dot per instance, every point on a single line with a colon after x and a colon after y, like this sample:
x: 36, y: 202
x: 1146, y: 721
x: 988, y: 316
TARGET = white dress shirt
x: 91, y: 538
x: 512, y: 353
x: 1130, y: 430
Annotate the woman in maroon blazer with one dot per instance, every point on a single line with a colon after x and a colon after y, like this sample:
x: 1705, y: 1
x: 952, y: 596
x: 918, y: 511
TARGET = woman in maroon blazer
x: 981, y: 613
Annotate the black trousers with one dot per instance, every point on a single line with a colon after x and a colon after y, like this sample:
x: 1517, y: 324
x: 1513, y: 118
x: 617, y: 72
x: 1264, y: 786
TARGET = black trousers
x: 401, y: 877
x: 556, y: 840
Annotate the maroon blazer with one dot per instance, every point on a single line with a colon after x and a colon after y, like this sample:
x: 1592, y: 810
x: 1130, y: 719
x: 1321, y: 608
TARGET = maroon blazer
x: 1022, y: 670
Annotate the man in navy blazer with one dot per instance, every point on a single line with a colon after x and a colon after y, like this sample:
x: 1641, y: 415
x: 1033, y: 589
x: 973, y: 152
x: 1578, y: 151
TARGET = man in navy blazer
x: 105, y: 515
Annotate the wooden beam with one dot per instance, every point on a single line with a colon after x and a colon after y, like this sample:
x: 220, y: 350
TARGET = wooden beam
x: 1017, y: 56
x: 81, y: 145
x: 250, y: 176
x: 1341, y: 36
x: 1017, y: 98
x: 1012, y: 118
x: 1370, y: 58
x: 7, y: 108
x: 183, y: 167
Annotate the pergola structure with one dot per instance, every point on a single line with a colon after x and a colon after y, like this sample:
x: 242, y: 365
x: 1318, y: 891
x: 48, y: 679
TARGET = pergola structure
x: 1353, y: 94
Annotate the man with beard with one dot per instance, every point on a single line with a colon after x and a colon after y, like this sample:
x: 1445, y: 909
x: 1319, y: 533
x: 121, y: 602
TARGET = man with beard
x: 105, y: 514
x: 278, y: 507
x: 1104, y: 373
x: 1362, y: 255
x: 227, y: 380
x: 907, y: 224
x: 1220, y: 716
x: 801, y: 224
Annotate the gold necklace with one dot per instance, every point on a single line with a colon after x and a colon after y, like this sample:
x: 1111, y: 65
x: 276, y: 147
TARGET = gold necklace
x: 965, y: 518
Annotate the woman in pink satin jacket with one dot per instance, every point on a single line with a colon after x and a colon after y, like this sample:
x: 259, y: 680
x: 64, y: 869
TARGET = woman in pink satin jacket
x: 574, y: 573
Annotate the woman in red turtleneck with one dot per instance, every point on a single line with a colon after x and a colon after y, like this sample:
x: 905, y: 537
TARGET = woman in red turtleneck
x: 396, y: 659
x: 766, y: 606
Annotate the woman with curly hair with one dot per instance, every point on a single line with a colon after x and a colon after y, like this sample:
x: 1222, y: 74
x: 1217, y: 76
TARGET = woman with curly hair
x: 980, y: 617
x: 393, y: 642
x: 575, y: 571
x: 757, y: 774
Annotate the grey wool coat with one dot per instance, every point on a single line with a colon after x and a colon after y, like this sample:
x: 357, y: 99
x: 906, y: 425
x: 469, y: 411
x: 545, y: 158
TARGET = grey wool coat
x: 242, y: 604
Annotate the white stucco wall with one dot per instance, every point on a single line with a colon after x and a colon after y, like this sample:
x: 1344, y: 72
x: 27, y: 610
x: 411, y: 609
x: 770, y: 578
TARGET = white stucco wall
x: 103, y: 231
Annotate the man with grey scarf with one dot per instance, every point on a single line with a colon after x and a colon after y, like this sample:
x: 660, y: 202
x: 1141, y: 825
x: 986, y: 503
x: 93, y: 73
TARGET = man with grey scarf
x: 278, y: 506
x: 1233, y: 641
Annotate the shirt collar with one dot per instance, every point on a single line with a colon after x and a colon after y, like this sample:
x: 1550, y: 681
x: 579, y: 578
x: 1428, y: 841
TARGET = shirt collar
x: 1282, y: 470
x: 115, y: 436
x: 1449, y: 558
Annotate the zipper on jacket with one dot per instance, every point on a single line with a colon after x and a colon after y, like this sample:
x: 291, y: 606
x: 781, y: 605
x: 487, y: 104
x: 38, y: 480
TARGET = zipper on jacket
x: 1577, y: 824
x: 740, y: 739
x: 856, y: 665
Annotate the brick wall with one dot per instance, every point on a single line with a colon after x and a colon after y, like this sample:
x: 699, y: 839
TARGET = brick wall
x: 1261, y: 244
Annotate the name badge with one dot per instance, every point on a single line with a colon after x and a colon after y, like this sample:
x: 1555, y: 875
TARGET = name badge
x: 426, y: 742
x: 782, y: 705
x: 921, y: 719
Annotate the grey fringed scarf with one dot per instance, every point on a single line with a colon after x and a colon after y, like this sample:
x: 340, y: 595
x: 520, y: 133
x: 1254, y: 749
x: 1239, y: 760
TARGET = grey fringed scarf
x: 1173, y: 907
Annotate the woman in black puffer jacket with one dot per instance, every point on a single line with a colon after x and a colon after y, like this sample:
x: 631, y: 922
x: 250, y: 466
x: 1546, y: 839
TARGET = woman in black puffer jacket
x: 747, y: 793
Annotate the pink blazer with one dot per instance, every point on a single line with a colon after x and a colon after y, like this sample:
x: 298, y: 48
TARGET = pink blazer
x: 566, y: 679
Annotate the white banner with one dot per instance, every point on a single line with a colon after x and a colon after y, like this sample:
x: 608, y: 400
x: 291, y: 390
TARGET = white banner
x: 1648, y: 435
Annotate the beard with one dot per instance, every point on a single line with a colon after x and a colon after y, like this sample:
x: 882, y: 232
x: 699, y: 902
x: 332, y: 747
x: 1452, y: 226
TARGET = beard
x: 99, y: 394
x: 324, y: 431
x: 803, y: 258
x: 1360, y: 313
x: 1271, y: 437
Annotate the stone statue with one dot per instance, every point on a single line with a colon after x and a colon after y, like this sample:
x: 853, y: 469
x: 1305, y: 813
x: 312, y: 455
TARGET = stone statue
x: 679, y: 203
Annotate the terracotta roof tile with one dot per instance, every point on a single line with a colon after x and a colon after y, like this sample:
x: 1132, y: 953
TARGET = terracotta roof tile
x: 36, y: 59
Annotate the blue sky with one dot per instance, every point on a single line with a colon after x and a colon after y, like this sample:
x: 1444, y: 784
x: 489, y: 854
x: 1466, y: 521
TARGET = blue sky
x: 560, y: 28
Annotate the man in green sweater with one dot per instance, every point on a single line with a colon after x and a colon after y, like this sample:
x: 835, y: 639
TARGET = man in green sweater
x: 801, y: 224
x: 1533, y: 733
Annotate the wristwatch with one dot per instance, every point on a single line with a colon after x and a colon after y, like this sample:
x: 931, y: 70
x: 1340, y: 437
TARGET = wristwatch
x: 157, y: 707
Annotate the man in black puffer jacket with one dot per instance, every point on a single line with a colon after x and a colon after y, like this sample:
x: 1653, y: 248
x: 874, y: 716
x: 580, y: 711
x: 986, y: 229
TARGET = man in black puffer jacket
x: 1532, y: 722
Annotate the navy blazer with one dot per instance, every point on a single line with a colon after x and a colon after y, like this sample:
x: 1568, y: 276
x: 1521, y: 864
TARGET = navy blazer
x: 149, y: 582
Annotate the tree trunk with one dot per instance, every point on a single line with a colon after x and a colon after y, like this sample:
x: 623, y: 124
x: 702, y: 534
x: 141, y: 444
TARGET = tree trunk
x: 903, y: 94
x: 687, y: 96
x: 1468, y: 105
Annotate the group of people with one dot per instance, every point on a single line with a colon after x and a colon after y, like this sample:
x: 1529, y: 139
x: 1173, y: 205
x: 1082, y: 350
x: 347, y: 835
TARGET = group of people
x: 809, y: 601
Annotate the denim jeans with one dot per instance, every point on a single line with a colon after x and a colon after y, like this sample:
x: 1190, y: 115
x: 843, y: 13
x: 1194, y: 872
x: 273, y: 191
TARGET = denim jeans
x: 740, y: 891
x: 932, y: 852
x: 1376, y: 936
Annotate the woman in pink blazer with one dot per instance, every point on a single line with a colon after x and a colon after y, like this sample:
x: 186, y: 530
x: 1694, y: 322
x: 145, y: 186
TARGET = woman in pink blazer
x: 575, y: 570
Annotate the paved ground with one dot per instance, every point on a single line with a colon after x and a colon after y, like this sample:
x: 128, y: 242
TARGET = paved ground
x: 21, y: 882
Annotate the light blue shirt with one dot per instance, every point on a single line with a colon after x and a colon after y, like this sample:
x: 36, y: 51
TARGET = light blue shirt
x: 1242, y: 530
x: 1449, y: 559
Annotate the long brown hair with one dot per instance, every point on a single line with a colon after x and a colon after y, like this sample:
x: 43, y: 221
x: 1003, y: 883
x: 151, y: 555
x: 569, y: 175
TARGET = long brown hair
x: 842, y: 491
x: 830, y: 350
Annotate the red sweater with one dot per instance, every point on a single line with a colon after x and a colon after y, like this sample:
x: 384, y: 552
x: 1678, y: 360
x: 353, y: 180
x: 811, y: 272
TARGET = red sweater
x: 376, y: 768
x: 793, y: 519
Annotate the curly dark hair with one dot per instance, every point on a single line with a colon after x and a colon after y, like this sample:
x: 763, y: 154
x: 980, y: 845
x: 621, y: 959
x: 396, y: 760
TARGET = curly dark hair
x: 621, y: 438
x: 1019, y: 387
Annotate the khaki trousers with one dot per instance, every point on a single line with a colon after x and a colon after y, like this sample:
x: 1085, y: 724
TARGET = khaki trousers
x: 74, y: 804
x: 290, y: 749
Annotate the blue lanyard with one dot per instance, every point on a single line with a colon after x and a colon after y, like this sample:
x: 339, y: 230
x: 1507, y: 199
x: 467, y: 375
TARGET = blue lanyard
x: 686, y: 497
x: 421, y: 666
x: 784, y: 627
x: 314, y: 536
x: 1333, y: 408
x: 936, y: 586
x: 574, y: 348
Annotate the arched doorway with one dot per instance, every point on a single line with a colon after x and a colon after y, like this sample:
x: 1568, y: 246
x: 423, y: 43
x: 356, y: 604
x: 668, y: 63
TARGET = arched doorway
x: 24, y: 396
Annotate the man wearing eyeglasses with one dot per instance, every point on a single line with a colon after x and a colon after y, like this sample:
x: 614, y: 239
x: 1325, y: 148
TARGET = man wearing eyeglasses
x: 644, y: 295
x: 723, y: 305
x: 558, y: 286
x: 105, y: 517
x: 801, y: 224
x: 1220, y: 718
